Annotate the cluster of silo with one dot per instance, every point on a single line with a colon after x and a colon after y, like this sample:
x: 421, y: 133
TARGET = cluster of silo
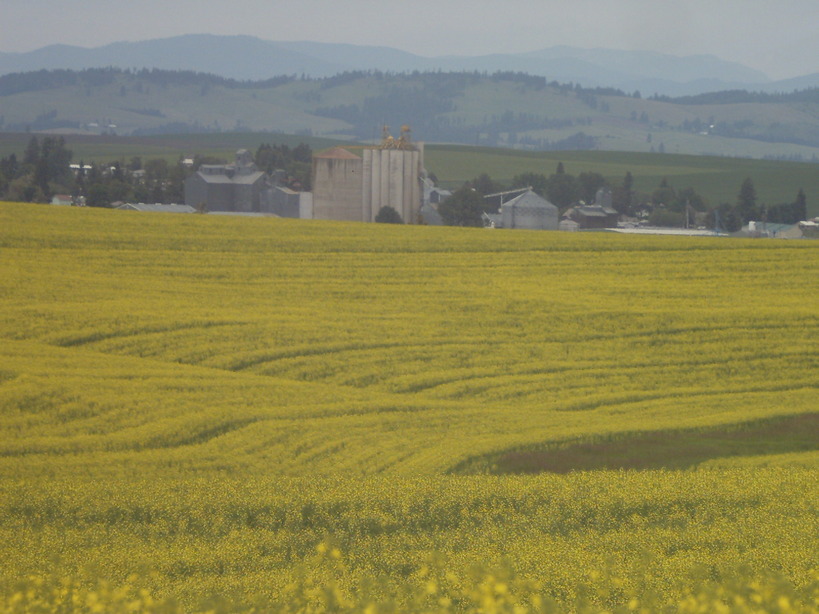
x: 352, y: 188
x: 391, y: 179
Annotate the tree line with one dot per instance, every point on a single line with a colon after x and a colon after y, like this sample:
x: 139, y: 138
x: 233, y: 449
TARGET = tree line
x: 664, y: 206
x: 742, y: 96
x: 44, y: 170
x: 39, y: 80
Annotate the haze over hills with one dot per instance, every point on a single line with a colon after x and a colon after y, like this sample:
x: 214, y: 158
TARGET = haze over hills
x: 505, y: 109
x: 251, y: 58
x: 554, y: 98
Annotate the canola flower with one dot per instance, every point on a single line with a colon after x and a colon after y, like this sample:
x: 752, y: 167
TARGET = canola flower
x: 202, y: 402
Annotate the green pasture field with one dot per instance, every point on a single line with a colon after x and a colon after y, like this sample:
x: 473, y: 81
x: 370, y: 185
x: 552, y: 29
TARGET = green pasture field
x: 108, y: 148
x: 213, y: 413
x: 718, y: 179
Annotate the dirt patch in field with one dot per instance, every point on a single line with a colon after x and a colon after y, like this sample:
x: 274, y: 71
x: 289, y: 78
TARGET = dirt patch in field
x: 668, y: 449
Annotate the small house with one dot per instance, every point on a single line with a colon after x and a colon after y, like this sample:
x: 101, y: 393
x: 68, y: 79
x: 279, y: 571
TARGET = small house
x: 62, y: 199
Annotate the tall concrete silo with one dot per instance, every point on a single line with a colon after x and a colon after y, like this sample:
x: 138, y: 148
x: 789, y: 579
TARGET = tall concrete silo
x: 337, y: 184
x: 352, y: 188
x: 392, y: 179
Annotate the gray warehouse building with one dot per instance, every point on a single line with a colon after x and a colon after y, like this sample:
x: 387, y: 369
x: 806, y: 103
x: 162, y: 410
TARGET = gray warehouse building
x: 238, y: 187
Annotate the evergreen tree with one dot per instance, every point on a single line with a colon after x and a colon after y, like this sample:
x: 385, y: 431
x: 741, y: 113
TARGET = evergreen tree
x: 589, y: 184
x: 483, y: 183
x: 537, y: 181
x: 664, y: 194
x: 746, y: 201
x: 98, y: 196
x: 800, y: 207
x: 10, y: 167
x: 463, y: 208
x: 623, y: 195
x: 724, y: 218
x: 563, y: 189
x: 32, y: 153
x: 628, y: 181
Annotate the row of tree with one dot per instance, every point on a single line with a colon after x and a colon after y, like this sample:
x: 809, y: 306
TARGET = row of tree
x: 665, y: 206
x: 44, y: 169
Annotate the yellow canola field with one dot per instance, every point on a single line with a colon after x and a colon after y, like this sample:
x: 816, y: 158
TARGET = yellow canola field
x: 205, y: 401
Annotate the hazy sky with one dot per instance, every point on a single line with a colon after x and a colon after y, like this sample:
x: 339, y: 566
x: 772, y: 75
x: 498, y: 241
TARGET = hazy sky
x: 778, y: 37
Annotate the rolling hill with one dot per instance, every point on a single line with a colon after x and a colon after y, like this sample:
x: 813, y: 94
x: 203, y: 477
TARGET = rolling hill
x: 501, y: 109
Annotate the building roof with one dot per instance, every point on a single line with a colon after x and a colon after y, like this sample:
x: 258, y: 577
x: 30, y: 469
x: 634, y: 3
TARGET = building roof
x: 244, y: 213
x: 215, y: 169
x: 215, y: 178
x: 284, y: 190
x: 529, y: 200
x: 337, y: 153
x: 773, y: 227
x: 157, y: 207
x: 592, y: 211
x: 248, y: 178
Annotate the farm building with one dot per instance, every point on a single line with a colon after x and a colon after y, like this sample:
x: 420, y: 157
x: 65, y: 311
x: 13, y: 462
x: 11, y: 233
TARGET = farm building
x: 568, y: 225
x: 592, y: 216
x: 495, y: 201
x: 599, y: 215
x: 62, y: 199
x: 236, y: 187
x: 525, y: 210
x: 282, y: 202
x: 338, y: 186
x: 355, y: 188
x: 529, y: 211
x: 772, y: 230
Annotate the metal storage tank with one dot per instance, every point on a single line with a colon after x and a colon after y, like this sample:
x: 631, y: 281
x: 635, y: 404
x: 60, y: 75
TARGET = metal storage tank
x: 529, y: 211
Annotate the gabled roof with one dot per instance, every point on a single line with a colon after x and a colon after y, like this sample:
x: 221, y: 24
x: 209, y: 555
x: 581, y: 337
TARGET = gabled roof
x: 337, y: 153
x: 284, y: 190
x: 157, y: 207
x: 529, y: 200
x: 214, y: 178
x: 593, y: 211
x: 249, y: 178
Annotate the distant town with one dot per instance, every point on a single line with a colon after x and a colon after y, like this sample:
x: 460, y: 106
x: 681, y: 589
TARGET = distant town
x: 386, y: 182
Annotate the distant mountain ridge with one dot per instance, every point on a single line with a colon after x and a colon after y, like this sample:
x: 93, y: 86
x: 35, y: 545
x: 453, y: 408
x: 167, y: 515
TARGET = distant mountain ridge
x: 250, y: 58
